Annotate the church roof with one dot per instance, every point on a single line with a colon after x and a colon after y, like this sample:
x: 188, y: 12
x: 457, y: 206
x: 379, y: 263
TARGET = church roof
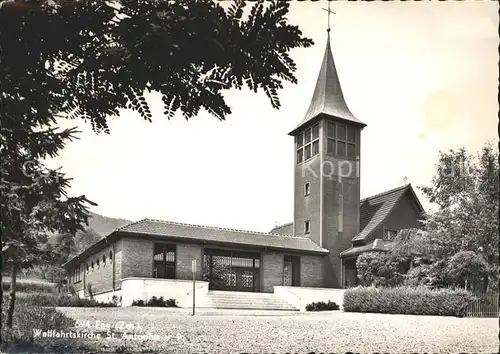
x: 328, y: 98
x: 285, y: 229
x: 375, y: 209
x: 372, y: 211
x: 180, y: 231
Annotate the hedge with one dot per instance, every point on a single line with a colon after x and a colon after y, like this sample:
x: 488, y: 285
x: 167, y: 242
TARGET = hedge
x: 61, y: 300
x: 407, y: 300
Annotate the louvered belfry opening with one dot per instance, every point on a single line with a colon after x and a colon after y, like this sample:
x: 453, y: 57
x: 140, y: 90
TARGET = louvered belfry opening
x: 232, y: 270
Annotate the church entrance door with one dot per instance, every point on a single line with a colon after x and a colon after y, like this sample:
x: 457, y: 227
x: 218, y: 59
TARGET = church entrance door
x: 232, y: 270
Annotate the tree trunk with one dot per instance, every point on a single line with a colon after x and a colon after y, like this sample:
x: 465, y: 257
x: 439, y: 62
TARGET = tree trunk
x: 12, y: 300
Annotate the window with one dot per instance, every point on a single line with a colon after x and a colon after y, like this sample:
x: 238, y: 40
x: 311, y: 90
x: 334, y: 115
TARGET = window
x: 97, y: 262
x: 164, y: 261
x: 110, y: 256
x: 299, y: 140
x: 307, y: 143
x: 307, y: 189
x: 389, y: 235
x: 92, y: 267
x: 307, y: 227
x: 103, y: 260
x: 307, y: 154
x: 341, y: 140
x: 87, y: 268
x: 299, y: 156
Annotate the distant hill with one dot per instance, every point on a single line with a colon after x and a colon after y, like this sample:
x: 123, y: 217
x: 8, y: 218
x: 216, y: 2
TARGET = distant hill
x: 104, y: 225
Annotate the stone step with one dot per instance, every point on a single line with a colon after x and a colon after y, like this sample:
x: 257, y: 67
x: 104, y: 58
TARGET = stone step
x: 247, y: 307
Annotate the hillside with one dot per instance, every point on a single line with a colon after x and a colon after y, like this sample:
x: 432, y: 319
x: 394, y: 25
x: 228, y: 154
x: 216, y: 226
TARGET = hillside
x: 104, y: 225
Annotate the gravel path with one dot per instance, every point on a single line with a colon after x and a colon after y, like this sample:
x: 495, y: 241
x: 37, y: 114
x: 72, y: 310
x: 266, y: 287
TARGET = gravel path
x: 230, y: 331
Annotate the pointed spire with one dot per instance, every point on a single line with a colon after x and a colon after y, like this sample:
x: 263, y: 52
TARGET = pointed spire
x: 328, y: 98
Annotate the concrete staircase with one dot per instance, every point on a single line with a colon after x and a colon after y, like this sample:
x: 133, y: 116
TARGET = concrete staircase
x: 243, y: 301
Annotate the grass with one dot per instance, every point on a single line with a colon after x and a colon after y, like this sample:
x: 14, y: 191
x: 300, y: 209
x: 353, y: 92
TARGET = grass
x: 245, y: 331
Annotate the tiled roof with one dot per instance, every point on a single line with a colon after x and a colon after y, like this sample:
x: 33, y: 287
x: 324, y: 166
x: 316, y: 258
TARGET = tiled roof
x: 148, y: 227
x: 375, y: 209
x: 376, y: 245
x: 285, y: 229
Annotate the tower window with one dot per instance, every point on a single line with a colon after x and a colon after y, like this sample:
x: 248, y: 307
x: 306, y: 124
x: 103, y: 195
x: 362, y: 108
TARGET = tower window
x: 315, y: 146
x: 299, y: 140
x: 307, y: 136
x: 307, y: 152
x: 341, y: 140
x: 299, y: 156
x: 307, y: 189
x: 307, y: 227
x: 308, y: 143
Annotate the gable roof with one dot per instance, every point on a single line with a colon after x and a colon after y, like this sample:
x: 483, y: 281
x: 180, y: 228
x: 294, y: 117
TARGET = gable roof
x: 285, y: 229
x: 181, y: 231
x: 328, y: 97
x: 374, y: 210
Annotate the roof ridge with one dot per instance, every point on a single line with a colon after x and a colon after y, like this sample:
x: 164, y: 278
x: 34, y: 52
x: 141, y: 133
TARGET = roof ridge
x: 129, y: 224
x: 288, y: 223
x: 216, y: 228
x: 386, y: 192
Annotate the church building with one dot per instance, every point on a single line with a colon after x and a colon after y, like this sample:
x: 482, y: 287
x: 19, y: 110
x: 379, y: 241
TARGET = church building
x: 331, y: 226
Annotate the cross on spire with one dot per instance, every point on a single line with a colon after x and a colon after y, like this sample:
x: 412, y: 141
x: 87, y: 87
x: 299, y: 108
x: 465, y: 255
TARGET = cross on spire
x: 329, y: 12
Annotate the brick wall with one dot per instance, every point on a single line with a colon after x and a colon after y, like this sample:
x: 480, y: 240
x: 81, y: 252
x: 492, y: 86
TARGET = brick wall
x: 137, y: 257
x: 185, y: 254
x: 100, y: 277
x: 271, y: 271
x: 311, y: 271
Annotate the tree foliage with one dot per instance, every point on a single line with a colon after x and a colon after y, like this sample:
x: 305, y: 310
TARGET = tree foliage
x: 108, y: 54
x: 459, y: 241
x: 380, y: 269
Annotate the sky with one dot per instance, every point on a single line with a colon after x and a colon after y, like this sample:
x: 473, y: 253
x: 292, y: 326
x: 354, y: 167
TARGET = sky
x: 421, y: 75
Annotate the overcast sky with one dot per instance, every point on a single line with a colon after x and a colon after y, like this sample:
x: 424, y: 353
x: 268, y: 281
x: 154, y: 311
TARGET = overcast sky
x: 421, y: 75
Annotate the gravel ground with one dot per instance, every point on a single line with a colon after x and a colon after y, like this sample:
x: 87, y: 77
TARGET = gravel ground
x: 230, y: 331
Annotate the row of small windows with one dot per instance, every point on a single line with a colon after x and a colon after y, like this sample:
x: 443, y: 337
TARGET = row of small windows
x: 97, y: 262
x: 341, y: 141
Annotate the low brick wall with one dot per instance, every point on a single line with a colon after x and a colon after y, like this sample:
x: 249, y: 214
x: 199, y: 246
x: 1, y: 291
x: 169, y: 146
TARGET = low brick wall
x: 299, y: 297
x: 145, y: 288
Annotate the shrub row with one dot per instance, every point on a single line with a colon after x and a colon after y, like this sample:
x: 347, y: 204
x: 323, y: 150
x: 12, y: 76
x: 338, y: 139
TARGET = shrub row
x: 155, y: 302
x: 31, y: 287
x: 61, y: 300
x: 408, y: 300
x: 322, y: 306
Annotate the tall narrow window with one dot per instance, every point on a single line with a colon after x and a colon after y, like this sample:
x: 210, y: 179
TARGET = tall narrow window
x: 164, y: 261
x: 299, y: 156
x: 307, y: 227
x: 307, y: 152
x: 307, y: 190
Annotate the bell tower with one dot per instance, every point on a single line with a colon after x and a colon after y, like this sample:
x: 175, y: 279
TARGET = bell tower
x: 327, y: 162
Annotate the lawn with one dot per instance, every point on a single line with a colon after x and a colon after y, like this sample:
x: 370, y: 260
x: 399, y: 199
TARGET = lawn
x: 220, y: 331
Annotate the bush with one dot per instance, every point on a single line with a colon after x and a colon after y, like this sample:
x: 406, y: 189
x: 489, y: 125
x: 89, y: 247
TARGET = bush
x: 26, y: 319
x: 31, y: 287
x: 408, y: 300
x: 155, y: 302
x: 322, y: 306
x: 380, y: 268
x: 62, y: 300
